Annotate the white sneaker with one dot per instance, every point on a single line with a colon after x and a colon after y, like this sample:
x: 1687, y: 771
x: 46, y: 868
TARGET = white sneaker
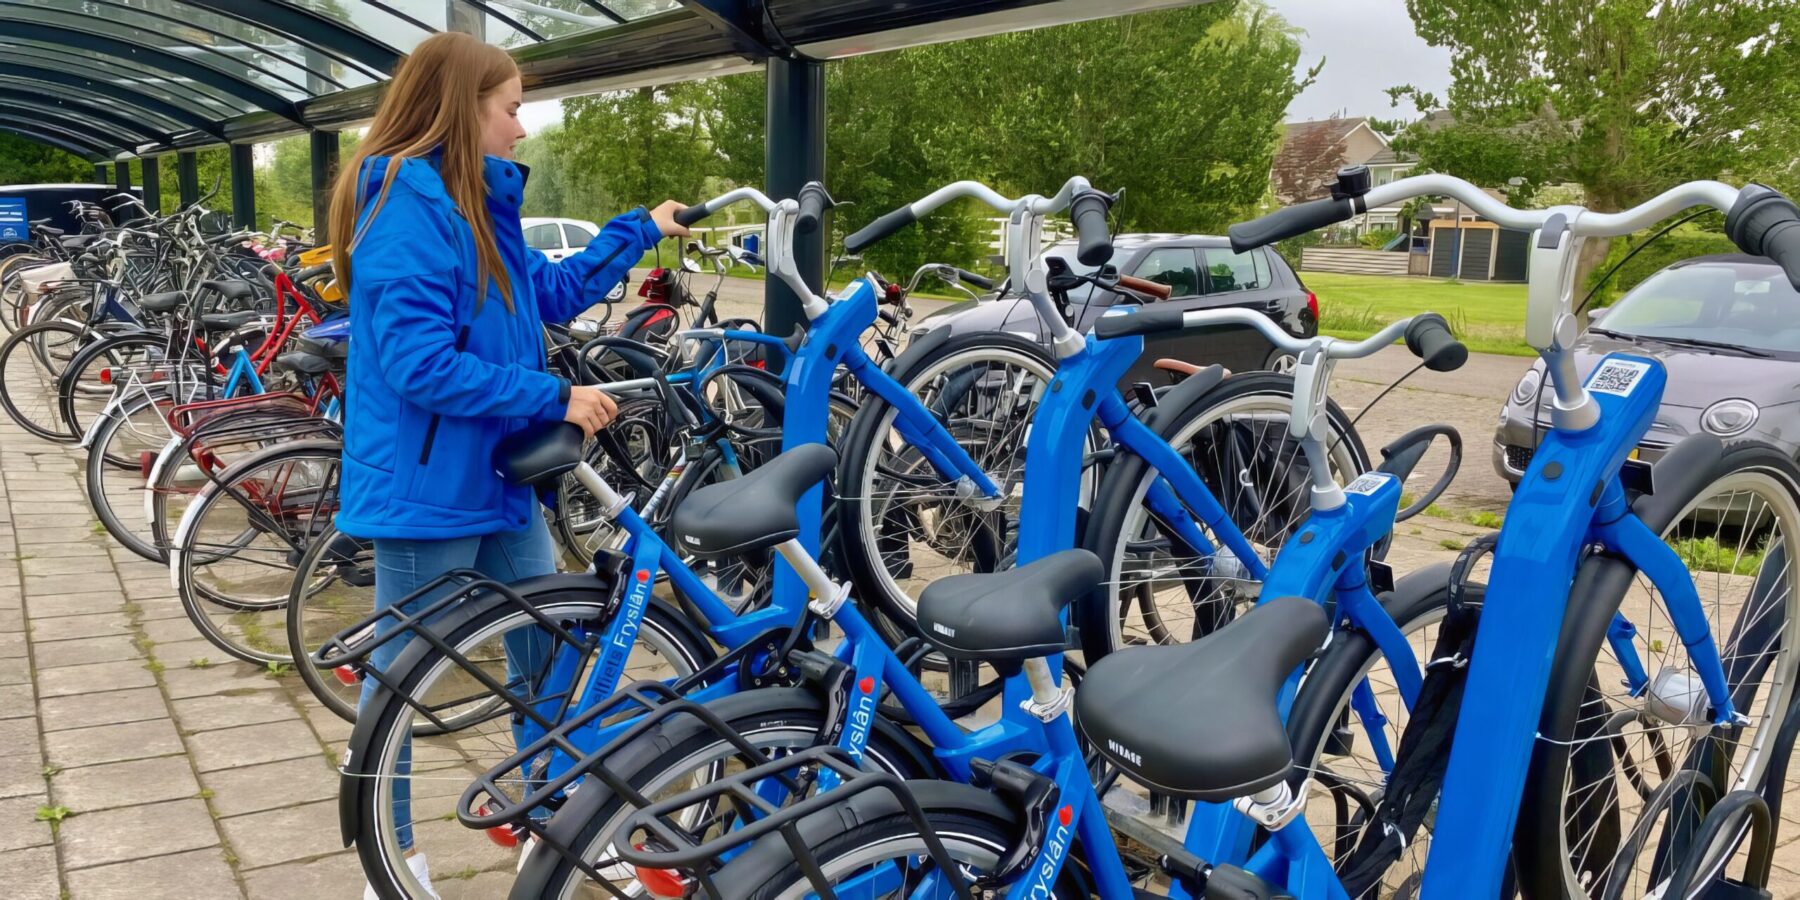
x: 420, y: 870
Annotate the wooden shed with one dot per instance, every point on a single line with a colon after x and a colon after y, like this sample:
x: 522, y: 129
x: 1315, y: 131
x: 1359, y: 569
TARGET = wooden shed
x: 1473, y: 250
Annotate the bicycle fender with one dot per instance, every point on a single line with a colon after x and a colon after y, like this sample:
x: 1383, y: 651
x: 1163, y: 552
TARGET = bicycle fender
x: 1183, y: 394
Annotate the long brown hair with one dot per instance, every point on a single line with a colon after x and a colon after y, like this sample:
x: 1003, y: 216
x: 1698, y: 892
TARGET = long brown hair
x: 433, y: 101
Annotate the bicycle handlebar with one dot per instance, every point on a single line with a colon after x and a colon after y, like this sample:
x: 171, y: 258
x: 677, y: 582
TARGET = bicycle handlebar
x: 1426, y: 335
x: 1764, y: 223
x: 814, y: 201
x: 912, y: 212
x: 1087, y: 210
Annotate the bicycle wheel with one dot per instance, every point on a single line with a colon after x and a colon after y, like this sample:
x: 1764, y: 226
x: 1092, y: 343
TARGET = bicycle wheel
x: 32, y: 361
x: 240, y: 540
x: 117, y: 462
x: 1333, y: 742
x: 682, y: 754
x: 87, y: 384
x: 975, y: 828
x: 333, y: 589
x: 441, y: 767
x: 1235, y: 437
x: 904, y: 525
x: 1611, y: 795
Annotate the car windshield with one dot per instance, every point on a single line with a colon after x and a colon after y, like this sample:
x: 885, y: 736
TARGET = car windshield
x: 1748, y: 304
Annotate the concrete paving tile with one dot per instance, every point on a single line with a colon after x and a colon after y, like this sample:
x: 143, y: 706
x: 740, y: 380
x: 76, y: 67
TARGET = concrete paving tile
x: 157, y: 608
x: 112, y: 743
x: 31, y: 874
x: 94, y: 678
x: 221, y: 679
x: 107, y: 648
x: 52, y: 585
x: 91, y: 788
x: 334, y: 876
x: 72, y: 604
x: 67, y: 564
x: 249, y: 789
x: 42, y: 536
x: 195, y: 714
x: 284, y: 835
x: 181, y: 654
x: 22, y: 774
x: 180, y: 876
x: 171, y: 631
x: 12, y: 646
x: 252, y: 744
x: 15, y: 671
x: 68, y: 628
x: 19, y: 825
x: 19, y: 736
x: 107, y: 708
x: 135, y: 832
x: 16, y: 701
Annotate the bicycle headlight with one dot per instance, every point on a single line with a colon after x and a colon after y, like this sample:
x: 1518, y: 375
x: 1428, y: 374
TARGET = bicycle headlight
x: 1729, y: 418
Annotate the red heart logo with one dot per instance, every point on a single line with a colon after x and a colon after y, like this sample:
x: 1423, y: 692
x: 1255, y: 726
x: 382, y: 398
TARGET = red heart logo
x: 643, y: 575
x: 1066, y: 815
x: 867, y: 685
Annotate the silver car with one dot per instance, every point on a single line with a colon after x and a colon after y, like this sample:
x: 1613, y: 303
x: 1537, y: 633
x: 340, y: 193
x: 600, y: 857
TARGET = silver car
x: 1727, y: 329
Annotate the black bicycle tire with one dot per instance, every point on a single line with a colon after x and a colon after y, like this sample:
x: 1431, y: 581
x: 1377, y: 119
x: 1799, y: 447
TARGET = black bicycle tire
x: 1117, y: 493
x: 1537, y: 838
x: 13, y: 344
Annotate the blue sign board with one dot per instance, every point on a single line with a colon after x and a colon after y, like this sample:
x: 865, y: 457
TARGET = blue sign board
x: 13, y: 224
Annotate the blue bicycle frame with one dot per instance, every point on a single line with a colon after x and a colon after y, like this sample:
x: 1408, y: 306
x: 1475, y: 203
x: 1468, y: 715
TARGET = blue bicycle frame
x: 1570, y: 498
x: 831, y: 342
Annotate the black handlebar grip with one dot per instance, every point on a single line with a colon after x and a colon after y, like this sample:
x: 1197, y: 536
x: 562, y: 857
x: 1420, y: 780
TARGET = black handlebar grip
x: 1290, y: 222
x: 1148, y: 320
x: 980, y: 281
x: 1094, y: 241
x: 1429, y: 338
x: 691, y: 215
x: 1764, y: 223
x: 878, y: 229
x: 814, y: 201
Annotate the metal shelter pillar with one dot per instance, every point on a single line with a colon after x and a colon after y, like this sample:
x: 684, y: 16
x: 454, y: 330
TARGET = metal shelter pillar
x: 122, y: 176
x: 152, y: 185
x: 794, y: 153
x: 243, y: 186
x: 187, y: 177
x: 101, y: 176
x: 324, y: 171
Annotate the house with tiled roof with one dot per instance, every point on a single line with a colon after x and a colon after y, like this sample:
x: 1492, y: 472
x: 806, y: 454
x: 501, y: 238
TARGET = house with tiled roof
x: 1318, y: 147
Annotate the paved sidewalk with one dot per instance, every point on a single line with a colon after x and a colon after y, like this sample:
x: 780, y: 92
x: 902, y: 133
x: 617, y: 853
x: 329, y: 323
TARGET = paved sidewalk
x: 175, y: 771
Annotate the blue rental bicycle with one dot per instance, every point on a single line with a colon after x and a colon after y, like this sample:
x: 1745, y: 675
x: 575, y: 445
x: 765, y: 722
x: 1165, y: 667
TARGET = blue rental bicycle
x: 599, y: 625
x: 1633, y: 659
x: 669, y: 749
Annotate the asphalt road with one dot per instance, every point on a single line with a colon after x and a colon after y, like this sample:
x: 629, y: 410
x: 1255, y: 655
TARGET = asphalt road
x: 1468, y: 399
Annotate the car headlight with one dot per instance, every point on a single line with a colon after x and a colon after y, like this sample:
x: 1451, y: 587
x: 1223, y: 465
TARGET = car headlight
x: 1729, y: 418
x: 1528, y: 387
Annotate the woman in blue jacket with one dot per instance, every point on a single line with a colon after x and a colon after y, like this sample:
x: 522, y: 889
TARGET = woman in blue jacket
x: 447, y: 345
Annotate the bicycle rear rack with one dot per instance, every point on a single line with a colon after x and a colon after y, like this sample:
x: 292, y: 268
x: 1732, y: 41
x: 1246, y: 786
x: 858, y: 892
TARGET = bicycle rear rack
x: 354, y: 644
x: 658, y: 702
x: 671, y: 846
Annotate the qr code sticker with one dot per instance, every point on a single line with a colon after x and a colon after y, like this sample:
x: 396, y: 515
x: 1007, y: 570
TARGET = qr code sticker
x: 1367, y: 483
x: 1617, y: 377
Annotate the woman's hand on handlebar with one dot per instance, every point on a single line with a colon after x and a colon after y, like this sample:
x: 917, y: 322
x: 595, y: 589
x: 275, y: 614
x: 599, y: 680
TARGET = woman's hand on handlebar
x: 664, y: 217
x: 590, y: 408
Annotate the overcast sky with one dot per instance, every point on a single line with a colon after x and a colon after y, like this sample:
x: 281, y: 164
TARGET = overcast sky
x: 1368, y: 47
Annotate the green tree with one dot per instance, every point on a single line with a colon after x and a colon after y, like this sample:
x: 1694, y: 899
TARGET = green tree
x: 24, y: 161
x: 1623, y: 97
x: 628, y: 148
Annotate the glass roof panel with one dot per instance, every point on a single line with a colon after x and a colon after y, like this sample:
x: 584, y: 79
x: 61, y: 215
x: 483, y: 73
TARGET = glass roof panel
x: 231, y: 58
x: 202, y: 99
x: 508, y: 23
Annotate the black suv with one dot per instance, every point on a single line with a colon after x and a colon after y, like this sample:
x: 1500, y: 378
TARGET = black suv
x: 1202, y: 273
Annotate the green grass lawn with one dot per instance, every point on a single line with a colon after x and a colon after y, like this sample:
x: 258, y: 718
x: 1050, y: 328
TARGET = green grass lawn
x: 1489, y: 318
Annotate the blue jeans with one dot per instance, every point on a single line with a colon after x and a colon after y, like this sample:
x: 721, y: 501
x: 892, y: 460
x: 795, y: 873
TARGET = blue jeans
x: 404, y: 566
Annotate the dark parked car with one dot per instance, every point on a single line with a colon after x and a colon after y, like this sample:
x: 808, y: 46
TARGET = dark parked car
x: 1724, y: 327
x: 1202, y: 272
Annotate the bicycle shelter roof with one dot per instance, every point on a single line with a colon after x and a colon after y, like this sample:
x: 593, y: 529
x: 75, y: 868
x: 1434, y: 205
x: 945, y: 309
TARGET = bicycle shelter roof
x: 110, y: 79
